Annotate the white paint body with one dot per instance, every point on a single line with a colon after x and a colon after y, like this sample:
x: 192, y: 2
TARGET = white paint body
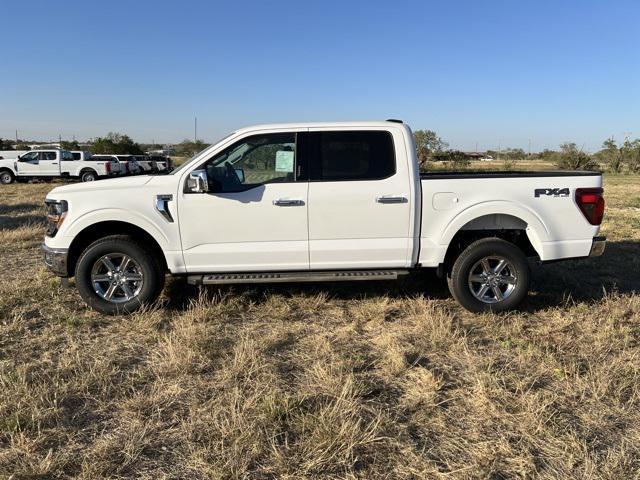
x: 340, y: 225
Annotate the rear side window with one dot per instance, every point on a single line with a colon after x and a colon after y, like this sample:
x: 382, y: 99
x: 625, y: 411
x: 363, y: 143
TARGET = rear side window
x: 356, y: 155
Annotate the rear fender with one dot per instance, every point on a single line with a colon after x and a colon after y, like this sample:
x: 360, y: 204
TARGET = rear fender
x: 537, y: 232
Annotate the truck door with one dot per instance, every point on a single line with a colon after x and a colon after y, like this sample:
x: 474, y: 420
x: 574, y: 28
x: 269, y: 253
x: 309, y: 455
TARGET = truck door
x: 360, y: 202
x: 29, y: 164
x: 254, y: 217
x: 49, y: 164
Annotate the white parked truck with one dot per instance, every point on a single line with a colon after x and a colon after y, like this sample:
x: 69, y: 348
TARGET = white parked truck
x: 318, y: 202
x: 52, y: 164
x: 128, y: 165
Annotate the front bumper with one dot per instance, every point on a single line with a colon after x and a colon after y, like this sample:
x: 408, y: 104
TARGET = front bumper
x: 56, y: 260
x: 598, y: 246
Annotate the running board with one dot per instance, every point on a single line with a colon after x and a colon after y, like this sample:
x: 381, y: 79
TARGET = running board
x: 274, y: 277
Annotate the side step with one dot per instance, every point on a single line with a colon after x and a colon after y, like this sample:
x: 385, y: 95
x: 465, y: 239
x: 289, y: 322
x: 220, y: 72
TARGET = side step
x: 275, y: 277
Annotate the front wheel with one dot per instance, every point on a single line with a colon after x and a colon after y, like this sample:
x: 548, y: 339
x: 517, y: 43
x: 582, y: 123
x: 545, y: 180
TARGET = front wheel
x: 6, y: 177
x: 117, y: 275
x: 490, y: 275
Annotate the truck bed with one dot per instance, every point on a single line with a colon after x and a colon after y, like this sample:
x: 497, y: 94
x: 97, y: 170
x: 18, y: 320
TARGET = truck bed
x: 540, y: 203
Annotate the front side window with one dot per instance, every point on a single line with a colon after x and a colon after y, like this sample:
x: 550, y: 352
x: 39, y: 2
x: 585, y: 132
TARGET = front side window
x: 354, y: 155
x: 74, y: 156
x: 253, y: 161
x: 48, y: 156
x: 31, y: 157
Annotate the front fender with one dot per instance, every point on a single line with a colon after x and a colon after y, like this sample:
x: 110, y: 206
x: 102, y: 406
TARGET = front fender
x: 87, y: 219
x: 536, y: 230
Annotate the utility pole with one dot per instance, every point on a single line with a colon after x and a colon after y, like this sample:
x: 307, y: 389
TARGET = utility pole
x: 476, y: 147
x: 16, y: 136
x: 195, y: 129
x: 529, y: 147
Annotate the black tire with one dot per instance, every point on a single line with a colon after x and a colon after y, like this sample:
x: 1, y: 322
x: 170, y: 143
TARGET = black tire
x: 512, y: 282
x: 88, y: 176
x: 7, y: 177
x: 152, y: 275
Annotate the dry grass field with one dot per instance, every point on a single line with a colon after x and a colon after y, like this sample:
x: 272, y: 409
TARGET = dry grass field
x: 328, y: 381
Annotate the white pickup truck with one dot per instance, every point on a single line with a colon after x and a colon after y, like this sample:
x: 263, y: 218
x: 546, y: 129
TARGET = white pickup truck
x: 55, y: 163
x: 318, y: 202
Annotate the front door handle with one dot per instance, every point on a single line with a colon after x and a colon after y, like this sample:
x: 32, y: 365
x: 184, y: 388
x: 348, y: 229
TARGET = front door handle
x: 54, y: 163
x: 285, y: 202
x: 390, y: 199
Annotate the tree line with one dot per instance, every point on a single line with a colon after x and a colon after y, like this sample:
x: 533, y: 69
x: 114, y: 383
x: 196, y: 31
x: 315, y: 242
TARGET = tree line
x: 624, y: 158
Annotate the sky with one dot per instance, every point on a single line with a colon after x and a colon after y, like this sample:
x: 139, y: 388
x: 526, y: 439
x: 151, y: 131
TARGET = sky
x: 486, y: 73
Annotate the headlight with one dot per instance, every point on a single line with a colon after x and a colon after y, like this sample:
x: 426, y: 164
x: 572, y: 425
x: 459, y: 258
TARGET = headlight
x: 56, y: 213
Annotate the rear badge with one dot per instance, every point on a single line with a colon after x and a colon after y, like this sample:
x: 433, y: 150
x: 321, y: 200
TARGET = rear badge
x: 551, y: 192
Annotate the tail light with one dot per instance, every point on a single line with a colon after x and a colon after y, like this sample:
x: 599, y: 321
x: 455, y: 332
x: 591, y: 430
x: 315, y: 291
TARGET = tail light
x: 107, y: 167
x: 591, y: 203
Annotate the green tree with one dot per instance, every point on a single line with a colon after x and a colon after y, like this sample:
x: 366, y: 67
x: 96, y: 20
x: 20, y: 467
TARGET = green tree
x: 611, y: 155
x: 116, y: 143
x: 572, y: 158
x: 188, y: 148
x: 69, y: 145
x: 427, y: 145
x: 630, y: 153
x: 458, y: 159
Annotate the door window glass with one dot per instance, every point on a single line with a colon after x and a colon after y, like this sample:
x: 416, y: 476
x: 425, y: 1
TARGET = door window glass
x: 355, y: 155
x: 31, y: 157
x: 253, y: 161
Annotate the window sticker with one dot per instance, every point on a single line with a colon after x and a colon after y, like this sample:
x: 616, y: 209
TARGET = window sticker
x: 284, y: 161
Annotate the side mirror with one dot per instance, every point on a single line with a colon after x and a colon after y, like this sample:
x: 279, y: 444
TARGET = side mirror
x: 197, y: 182
x: 240, y: 174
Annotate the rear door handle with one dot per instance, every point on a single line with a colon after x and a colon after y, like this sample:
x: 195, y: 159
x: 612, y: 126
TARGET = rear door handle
x: 285, y: 202
x: 390, y: 199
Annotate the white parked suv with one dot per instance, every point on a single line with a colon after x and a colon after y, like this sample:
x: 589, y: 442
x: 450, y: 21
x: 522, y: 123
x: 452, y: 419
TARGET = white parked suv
x: 55, y: 163
x: 318, y: 202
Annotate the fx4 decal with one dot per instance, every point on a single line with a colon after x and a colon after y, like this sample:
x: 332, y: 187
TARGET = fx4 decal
x: 551, y: 192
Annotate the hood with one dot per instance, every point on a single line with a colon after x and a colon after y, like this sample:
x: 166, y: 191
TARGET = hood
x: 101, y: 185
x: 7, y: 162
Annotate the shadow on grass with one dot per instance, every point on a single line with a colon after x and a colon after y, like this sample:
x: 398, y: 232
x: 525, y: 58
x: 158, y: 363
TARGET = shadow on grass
x: 14, y: 222
x: 588, y: 279
x: 19, y: 208
x: 582, y: 280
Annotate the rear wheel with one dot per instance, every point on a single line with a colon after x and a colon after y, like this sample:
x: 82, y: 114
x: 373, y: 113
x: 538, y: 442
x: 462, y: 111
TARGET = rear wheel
x: 88, y: 176
x: 117, y: 275
x: 6, y: 177
x: 490, y: 275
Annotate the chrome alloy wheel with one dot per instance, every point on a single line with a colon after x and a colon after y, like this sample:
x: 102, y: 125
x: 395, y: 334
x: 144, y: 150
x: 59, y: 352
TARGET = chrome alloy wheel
x: 492, y: 279
x: 6, y: 178
x: 117, y: 278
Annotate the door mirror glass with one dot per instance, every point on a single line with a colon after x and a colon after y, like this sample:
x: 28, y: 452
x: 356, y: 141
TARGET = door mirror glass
x: 197, y: 182
x: 240, y: 174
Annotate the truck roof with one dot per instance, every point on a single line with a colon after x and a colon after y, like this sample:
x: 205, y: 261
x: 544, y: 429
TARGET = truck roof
x: 289, y: 126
